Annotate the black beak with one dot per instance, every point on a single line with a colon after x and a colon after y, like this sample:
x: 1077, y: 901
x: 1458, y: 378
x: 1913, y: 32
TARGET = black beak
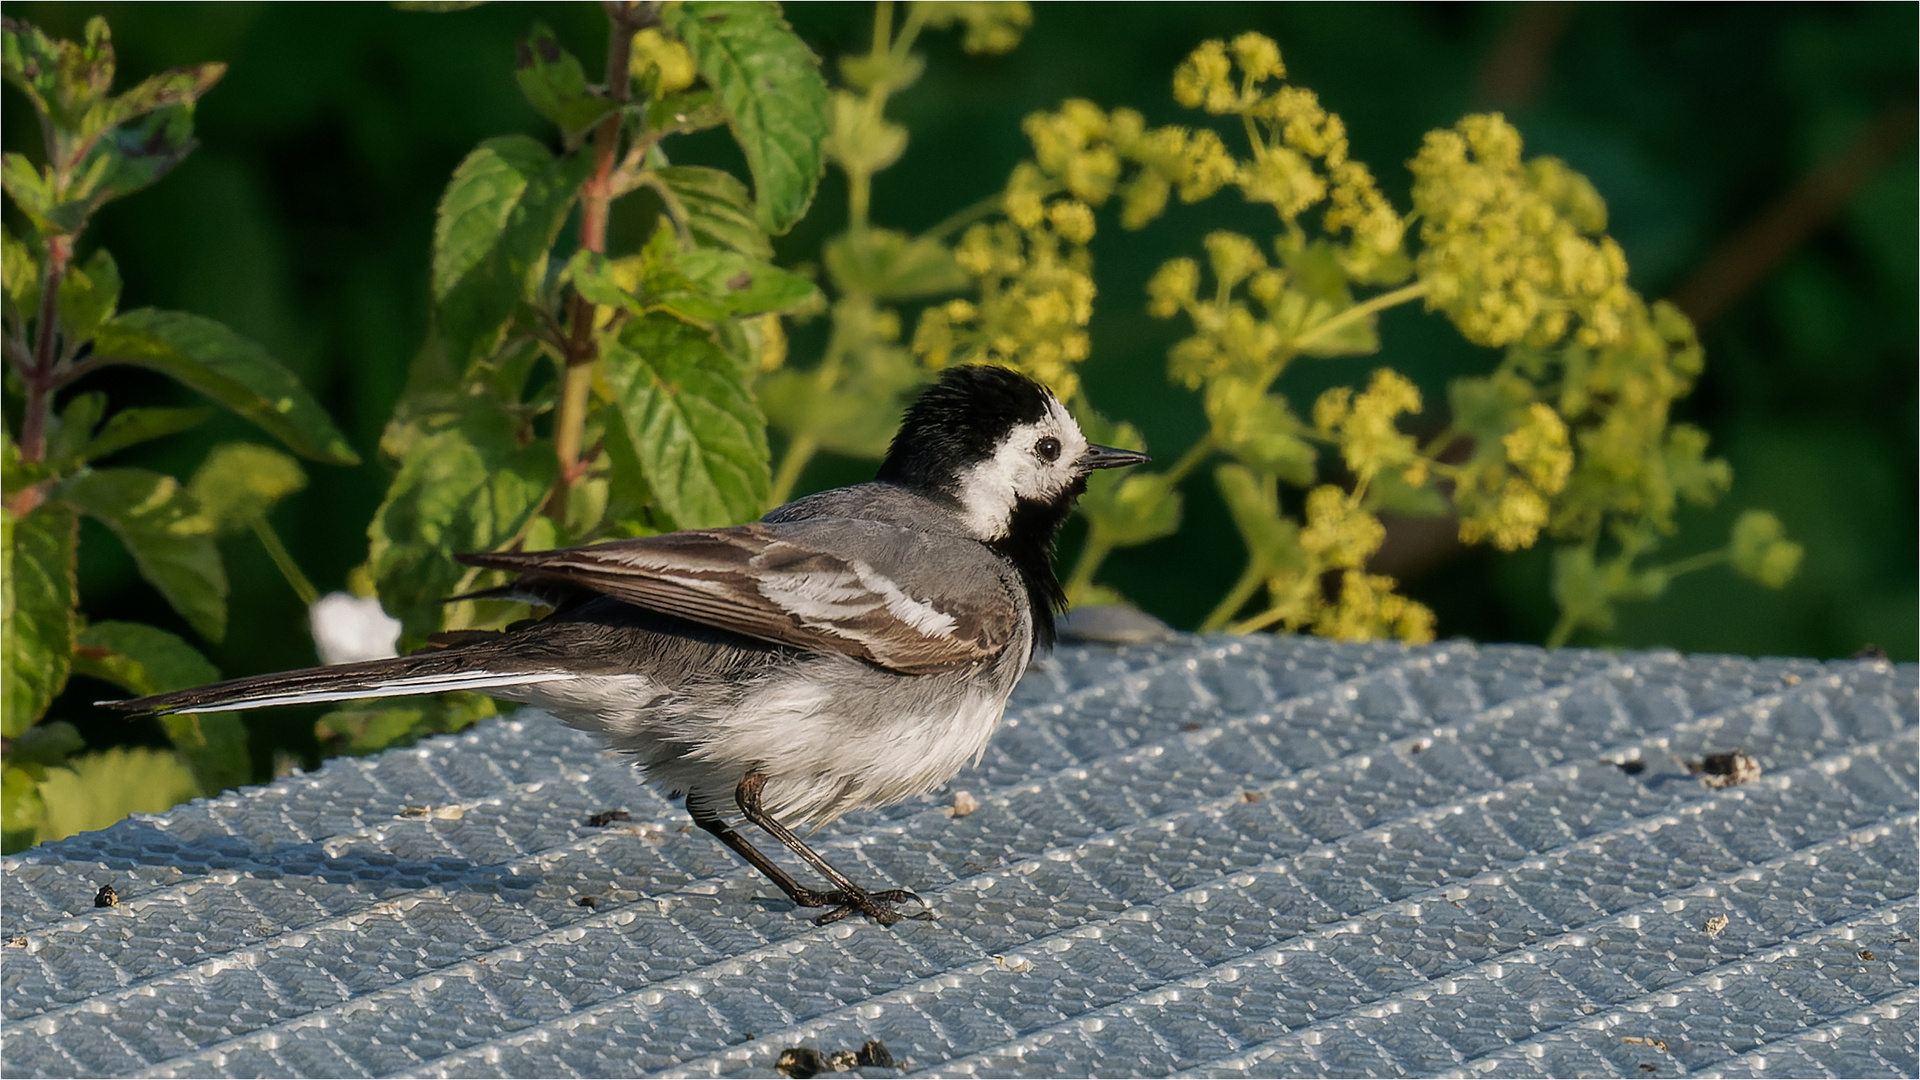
x: 1106, y: 457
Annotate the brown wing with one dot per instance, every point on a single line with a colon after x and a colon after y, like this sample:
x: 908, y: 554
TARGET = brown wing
x: 779, y: 588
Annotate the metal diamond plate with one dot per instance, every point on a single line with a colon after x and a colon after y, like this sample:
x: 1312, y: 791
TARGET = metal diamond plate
x: 1209, y: 857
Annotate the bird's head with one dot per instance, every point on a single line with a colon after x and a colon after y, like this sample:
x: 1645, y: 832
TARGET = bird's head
x: 1001, y: 448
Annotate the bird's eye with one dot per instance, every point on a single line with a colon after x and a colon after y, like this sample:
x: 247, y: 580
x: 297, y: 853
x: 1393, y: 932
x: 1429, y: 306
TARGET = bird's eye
x: 1048, y: 448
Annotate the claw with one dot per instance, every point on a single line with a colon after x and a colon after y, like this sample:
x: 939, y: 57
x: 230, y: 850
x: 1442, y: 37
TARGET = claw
x: 875, y: 905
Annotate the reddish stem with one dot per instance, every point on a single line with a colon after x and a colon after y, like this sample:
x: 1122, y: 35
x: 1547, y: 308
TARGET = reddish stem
x: 596, y: 200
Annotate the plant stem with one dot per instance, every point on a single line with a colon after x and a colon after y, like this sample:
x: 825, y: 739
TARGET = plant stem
x: 1190, y: 460
x: 1095, y: 552
x: 1360, y: 311
x: 1695, y: 562
x: 596, y: 200
x: 39, y: 376
x: 1258, y: 622
x: 283, y: 559
x: 1562, y: 630
x: 1250, y: 581
x: 799, y: 452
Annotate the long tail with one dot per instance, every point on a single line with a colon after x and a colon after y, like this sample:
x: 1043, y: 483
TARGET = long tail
x: 430, y: 672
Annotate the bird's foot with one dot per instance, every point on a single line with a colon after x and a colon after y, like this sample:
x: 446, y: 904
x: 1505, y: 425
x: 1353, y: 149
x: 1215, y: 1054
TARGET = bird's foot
x: 877, y: 906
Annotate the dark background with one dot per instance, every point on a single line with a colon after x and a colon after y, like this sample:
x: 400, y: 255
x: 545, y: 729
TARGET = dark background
x: 304, y: 220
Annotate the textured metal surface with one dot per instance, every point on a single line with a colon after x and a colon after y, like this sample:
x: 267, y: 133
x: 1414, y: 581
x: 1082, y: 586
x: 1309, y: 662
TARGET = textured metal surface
x: 1216, y: 857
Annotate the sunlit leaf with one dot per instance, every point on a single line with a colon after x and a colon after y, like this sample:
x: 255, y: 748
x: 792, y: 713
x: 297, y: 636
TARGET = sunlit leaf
x: 719, y: 209
x: 777, y: 103
x: 171, y: 544
x: 231, y: 370
x: 95, y: 790
x: 130, y: 427
x: 239, y: 482
x: 695, y: 434
x: 893, y: 266
x: 37, y: 597
x: 499, y: 216
x: 145, y: 660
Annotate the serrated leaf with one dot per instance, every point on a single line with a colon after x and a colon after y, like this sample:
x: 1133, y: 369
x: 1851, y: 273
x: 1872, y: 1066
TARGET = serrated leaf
x: 145, y: 660
x: 890, y: 265
x: 96, y: 790
x: 32, y: 191
x: 89, y: 294
x: 499, y: 216
x: 595, y: 278
x: 130, y: 427
x: 464, y: 484
x: 20, y: 267
x: 231, y: 370
x: 555, y: 84
x: 240, y: 482
x: 37, y: 597
x: 743, y: 286
x: 1259, y: 430
x: 699, y: 440
x: 70, y: 433
x: 719, y: 209
x: 777, y: 103
x: 171, y: 544
x: 62, y: 79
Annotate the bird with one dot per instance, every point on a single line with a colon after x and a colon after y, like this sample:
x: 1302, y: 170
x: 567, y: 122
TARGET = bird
x: 851, y: 649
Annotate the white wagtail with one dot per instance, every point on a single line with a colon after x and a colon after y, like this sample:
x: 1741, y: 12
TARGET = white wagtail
x: 851, y: 649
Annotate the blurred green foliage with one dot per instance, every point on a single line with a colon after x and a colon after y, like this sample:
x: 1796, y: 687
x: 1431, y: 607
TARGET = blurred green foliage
x: 306, y: 218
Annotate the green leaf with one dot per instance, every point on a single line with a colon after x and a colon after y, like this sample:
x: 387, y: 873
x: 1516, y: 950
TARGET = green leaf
x: 890, y: 265
x: 89, y: 294
x: 97, y: 790
x: 465, y: 483
x: 777, y: 103
x: 741, y: 285
x: 1582, y: 589
x: 1132, y: 508
x: 171, y: 543
x: 130, y: 427
x: 695, y: 435
x: 70, y: 434
x: 21, y: 810
x: 147, y: 660
x: 1273, y: 542
x: 863, y: 141
x: 20, y: 268
x: 63, y: 80
x: 37, y: 597
x: 500, y: 214
x: 231, y: 370
x: 719, y: 209
x: 1259, y: 430
x: 32, y: 190
x: 1390, y: 492
x: 594, y: 278
x: 240, y: 482
x: 555, y: 84
x: 689, y: 110
x: 47, y: 744
x: 379, y: 725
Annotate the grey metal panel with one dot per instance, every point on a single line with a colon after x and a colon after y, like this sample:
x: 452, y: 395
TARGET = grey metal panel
x: 1218, y: 857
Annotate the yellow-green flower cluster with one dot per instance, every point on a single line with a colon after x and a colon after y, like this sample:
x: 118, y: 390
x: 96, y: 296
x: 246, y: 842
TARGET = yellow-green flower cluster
x: 1522, y: 459
x: 1365, y: 427
x: 992, y: 27
x: 1095, y: 155
x: 1034, y: 302
x: 1513, y: 252
x: 1300, y: 152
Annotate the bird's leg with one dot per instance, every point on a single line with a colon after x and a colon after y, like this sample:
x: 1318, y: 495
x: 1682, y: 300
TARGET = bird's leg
x: 846, y: 897
x: 744, y: 848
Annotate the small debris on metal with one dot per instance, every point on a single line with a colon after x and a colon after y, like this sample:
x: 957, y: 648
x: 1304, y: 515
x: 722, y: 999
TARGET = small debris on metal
x: 1016, y: 963
x: 587, y: 901
x: 1790, y: 679
x: 607, y: 817
x: 963, y: 804
x: 1716, y: 924
x: 1657, y: 1044
x: 106, y: 897
x: 1644, y: 1067
x: 1250, y: 796
x: 1190, y: 726
x: 1726, y: 770
x: 1630, y: 766
x: 1870, y: 651
x: 1866, y: 954
x: 1419, y: 745
x: 801, y: 1062
x: 17, y: 941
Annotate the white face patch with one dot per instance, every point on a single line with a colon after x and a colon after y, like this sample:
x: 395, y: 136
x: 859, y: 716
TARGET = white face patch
x: 1020, y: 468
